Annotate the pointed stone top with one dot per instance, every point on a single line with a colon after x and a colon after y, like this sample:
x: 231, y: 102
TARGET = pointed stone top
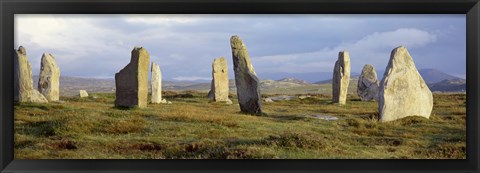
x: 236, y: 42
x: 344, y: 56
x: 367, y: 67
x: 48, y: 55
x: 155, y: 67
x: 343, y: 52
x: 401, y: 55
x: 219, y: 59
x: 401, y: 47
x: 22, y: 50
x: 139, y: 49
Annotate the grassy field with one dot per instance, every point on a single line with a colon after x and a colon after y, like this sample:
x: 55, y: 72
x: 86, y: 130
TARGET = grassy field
x: 191, y: 127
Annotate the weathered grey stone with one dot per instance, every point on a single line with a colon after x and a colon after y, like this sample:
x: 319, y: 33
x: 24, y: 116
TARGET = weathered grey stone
x: 23, y: 82
x: 156, y: 83
x: 219, y: 86
x: 403, y: 92
x: 246, y: 80
x: 132, y: 81
x: 83, y: 93
x: 367, y: 87
x: 49, y: 81
x: 341, y: 78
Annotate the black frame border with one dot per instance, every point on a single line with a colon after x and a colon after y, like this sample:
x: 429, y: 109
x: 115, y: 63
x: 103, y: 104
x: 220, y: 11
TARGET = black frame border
x: 10, y: 7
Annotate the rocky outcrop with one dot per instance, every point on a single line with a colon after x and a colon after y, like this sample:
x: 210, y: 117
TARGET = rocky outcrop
x: 403, y: 92
x: 156, y: 83
x: 341, y: 78
x: 246, y: 80
x: 219, y: 86
x: 23, y: 82
x: 132, y: 81
x: 49, y: 81
x: 367, y: 87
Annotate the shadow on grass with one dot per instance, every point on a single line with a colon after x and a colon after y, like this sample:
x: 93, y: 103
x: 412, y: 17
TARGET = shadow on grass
x: 228, y: 149
x: 284, y: 118
x: 39, y: 129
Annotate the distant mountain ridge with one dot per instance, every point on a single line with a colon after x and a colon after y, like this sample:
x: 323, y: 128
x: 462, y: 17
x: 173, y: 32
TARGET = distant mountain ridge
x: 293, y: 80
x: 71, y: 85
x: 449, y: 85
x: 433, y: 75
x: 430, y: 76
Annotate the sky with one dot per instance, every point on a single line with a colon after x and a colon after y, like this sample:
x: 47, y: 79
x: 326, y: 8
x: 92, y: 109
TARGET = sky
x: 279, y: 45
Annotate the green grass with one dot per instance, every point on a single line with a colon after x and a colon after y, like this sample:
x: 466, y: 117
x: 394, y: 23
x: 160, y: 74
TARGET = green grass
x: 192, y: 127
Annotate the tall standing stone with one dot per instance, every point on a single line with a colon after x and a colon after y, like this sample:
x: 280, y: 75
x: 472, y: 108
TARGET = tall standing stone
x: 403, y: 92
x: 49, y: 82
x: 341, y: 78
x: 367, y: 87
x: 156, y: 83
x: 23, y: 82
x: 246, y: 80
x: 219, y: 86
x: 132, y: 81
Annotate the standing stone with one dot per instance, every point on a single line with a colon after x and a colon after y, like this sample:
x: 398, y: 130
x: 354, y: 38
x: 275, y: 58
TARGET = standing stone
x: 156, y: 83
x: 49, y: 82
x: 246, y: 80
x: 83, y: 93
x: 403, y: 92
x: 367, y: 88
x: 341, y: 78
x: 23, y: 82
x: 219, y: 86
x: 132, y: 81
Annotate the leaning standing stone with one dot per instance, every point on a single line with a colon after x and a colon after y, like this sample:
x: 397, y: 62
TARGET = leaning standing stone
x: 49, y: 82
x: 367, y: 87
x: 219, y: 86
x: 341, y: 78
x: 23, y: 82
x: 156, y: 83
x: 403, y: 92
x: 246, y: 80
x: 132, y: 81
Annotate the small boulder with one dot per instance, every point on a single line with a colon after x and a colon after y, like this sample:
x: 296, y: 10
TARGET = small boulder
x: 83, y: 93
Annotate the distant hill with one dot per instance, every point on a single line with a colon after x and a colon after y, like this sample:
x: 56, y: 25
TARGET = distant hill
x: 329, y: 81
x: 309, y: 77
x: 430, y: 76
x: 293, y: 80
x: 71, y: 85
x: 433, y: 75
x: 283, y: 83
x: 449, y: 85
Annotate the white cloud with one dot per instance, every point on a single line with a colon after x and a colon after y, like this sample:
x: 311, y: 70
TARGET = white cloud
x: 164, y: 19
x: 185, y: 45
x: 372, y: 49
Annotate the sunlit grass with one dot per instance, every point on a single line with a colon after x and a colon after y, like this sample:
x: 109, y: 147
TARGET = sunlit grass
x: 193, y: 127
